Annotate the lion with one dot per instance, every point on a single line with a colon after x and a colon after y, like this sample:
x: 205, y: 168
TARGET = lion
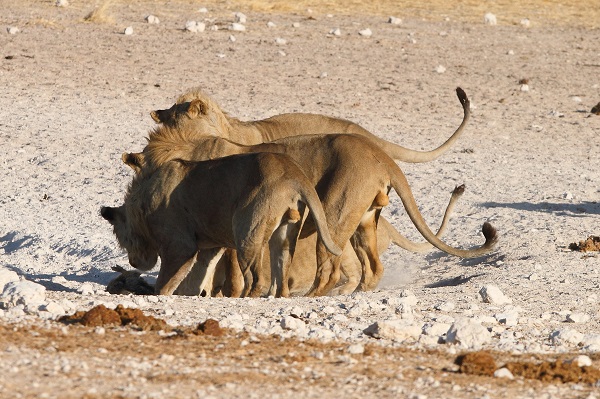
x: 333, y: 163
x: 248, y: 202
x: 228, y: 280
x: 196, y: 111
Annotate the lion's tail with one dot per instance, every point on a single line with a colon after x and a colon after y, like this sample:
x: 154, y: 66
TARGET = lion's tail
x: 310, y: 197
x: 404, y: 154
x: 401, y: 186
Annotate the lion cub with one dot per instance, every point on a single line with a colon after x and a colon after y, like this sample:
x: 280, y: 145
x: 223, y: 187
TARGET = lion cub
x: 249, y: 202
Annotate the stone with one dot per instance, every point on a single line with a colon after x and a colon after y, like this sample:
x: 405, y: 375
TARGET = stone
x: 440, y: 69
x: 26, y: 293
x: 394, y: 21
x: 489, y: 19
x: 296, y: 25
x: 492, y: 294
x: 335, y: 32
x: 468, y: 333
x: 86, y: 289
x: 195, y: 27
x: 577, y: 318
x: 356, y: 349
x: 508, y: 318
x: 128, y: 31
x: 503, y: 373
x: 396, y: 330
x: 280, y: 41
x: 445, y: 306
x: 581, y: 361
x: 271, y: 24
x: 240, y: 18
x: 62, y: 3
x: 365, y: 32
x: 152, y: 19
x: 7, y: 276
x: 566, y: 336
x: 12, y: 30
x: 237, y: 27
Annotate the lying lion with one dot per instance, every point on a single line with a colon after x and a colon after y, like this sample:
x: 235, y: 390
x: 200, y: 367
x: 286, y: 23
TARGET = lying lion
x: 195, y: 111
x: 247, y: 202
x: 334, y: 163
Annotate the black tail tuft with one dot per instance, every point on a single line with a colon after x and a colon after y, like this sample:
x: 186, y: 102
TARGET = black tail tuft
x: 462, y: 97
x: 459, y: 190
x: 490, y: 234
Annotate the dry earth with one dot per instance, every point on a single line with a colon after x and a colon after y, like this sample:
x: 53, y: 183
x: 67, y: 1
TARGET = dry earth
x: 76, y: 94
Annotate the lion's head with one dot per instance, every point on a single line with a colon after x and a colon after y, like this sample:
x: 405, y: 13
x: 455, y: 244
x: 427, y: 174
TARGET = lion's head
x: 195, y: 111
x: 132, y: 237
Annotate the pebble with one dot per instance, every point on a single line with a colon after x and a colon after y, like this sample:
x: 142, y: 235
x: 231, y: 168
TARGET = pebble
x: 280, y: 41
x: 524, y: 87
x: 240, y: 18
x: 492, y: 294
x: 581, y: 361
x: 509, y: 318
x: 7, y: 276
x: 62, y: 3
x: 356, y: 349
x: 577, y: 318
x: 335, y: 32
x: 468, y: 333
x: 490, y: 19
x: 503, y: 373
x: 12, y: 30
x: 237, y: 27
x: 296, y: 25
x: 195, y: 27
x: 203, y: 10
x: 152, y: 19
x: 396, y: 330
x: 271, y: 24
x: 232, y: 38
x: 440, y: 69
x: 394, y: 21
x: 365, y: 32
x: 525, y: 22
x: 128, y: 31
x: 566, y: 336
x: 445, y: 306
x: 25, y: 293
x: 86, y: 289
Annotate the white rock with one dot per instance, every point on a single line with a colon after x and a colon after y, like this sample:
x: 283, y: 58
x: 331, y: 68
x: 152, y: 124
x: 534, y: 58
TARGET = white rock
x: 436, y: 329
x: 53, y: 308
x: 581, y: 361
x: 237, y: 27
x: 203, y: 10
x: 468, y: 333
x: 335, y: 32
x: 195, y: 27
x: 240, y: 18
x: 492, y: 294
x: 323, y: 75
x: 566, y: 336
x: 232, y: 38
x: 524, y: 87
x: 213, y: 28
x: 577, y: 318
x: 12, y: 30
x: 62, y: 3
x: 86, y: 289
x: 503, y: 373
x: 356, y: 349
x: 445, y: 306
x: 440, y: 69
x: 510, y: 52
x: 397, y: 330
x: 280, y: 41
x: 510, y: 318
x: 577, y: 99
x: 365, y: 32
x: 525, y: 22
x: 26, y: 293
x: 128, y: 31
x: 271, y: 24
x: 292, y: 323
x: 7, y: 276
x: 394, y: 21
x: 567, y: 195
x: 329, y: 310
x: 296, y: 25
x: 152, y: 19
x: 490, y: 19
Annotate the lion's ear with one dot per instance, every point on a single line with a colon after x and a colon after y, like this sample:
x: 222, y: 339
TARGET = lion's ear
x: 111, y: 214
x: 155, y: 116
x: 196, y: 108
x: 134, y: 160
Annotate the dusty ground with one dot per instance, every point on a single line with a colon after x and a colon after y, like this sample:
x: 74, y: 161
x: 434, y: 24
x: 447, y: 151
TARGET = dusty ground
x: 76, y: 94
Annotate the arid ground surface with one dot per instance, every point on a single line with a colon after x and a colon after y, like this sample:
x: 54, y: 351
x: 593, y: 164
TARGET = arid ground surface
x: 77, y: 92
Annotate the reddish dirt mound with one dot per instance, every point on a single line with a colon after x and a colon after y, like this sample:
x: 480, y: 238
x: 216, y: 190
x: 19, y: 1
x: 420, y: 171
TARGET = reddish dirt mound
x: 592, y: 243
x: 483, y: 363
x: 120, y: 316
x: 210, y: 327
x: 478, y: 363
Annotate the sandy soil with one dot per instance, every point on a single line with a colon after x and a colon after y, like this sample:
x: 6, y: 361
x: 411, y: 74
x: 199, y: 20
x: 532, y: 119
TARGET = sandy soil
x: 76, y: 94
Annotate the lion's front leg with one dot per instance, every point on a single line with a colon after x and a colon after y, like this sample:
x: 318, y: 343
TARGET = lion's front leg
x: 173, y: 270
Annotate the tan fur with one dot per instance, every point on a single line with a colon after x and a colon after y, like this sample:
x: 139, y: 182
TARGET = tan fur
x: 335, y: 163
x: 196, y: 111
x: 240, y: 202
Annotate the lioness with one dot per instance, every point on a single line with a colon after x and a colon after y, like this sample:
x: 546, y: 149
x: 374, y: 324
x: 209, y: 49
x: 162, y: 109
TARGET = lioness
x: 334, y: 162
x: 195, y: 111
x: 244, y: 202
